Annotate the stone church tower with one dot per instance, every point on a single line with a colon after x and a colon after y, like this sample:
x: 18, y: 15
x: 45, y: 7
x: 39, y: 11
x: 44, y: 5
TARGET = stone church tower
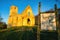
x: 26, y: 18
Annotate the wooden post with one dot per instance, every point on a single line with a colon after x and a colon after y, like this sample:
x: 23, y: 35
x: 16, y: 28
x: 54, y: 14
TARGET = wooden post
x: 57, y: 23
x: 38, y: 28
x: 56, y: 17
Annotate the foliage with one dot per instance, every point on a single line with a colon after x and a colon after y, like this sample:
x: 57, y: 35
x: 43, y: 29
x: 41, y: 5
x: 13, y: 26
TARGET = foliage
x: 3, y: 25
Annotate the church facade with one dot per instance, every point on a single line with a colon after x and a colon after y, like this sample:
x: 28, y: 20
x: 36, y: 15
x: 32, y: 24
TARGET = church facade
x: 26, y: 18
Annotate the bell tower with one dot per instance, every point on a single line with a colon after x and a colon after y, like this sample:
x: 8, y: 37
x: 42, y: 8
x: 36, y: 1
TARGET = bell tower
x: 12, y: 15
x: 13, y: 10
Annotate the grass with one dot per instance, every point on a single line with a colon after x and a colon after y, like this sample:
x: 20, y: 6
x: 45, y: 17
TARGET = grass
x: 26, y: 33
x: 14, y: 34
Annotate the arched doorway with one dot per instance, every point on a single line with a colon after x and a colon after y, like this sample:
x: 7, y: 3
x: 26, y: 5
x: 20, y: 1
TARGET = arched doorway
x: 28, y: 21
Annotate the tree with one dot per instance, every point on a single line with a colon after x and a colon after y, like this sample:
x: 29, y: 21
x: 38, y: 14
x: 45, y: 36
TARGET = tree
x: 1, y: 18
x: 2, y: 24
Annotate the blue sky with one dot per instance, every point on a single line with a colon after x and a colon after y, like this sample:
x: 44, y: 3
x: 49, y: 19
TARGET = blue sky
x: 22, y: 4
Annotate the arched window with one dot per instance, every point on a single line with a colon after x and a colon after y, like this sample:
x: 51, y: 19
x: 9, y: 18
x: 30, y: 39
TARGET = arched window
x: 28, y: 13
x: 15, y: 8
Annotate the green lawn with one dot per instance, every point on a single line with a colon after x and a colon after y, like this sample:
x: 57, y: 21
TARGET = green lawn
x: 14, y: 34
x: 26, y: 34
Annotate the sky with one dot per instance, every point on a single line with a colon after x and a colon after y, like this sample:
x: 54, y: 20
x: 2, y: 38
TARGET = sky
x: 22, y: 4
